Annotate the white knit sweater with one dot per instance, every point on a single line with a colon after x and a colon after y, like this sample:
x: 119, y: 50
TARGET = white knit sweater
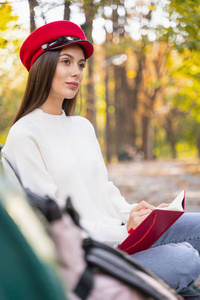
x: 59, y: 156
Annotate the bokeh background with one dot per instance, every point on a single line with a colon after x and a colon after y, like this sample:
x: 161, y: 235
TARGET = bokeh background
x: 141, y: 89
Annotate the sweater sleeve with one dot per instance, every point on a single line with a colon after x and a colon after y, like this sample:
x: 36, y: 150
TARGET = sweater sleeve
x: 109, y: 234
x: 119, y: 203
x: 23, y: 153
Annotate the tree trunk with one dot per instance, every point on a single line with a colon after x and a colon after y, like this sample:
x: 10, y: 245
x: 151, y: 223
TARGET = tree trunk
x: 171, y: 136
x: 32, y: 5
x: 147, y: 137
x: 90, y: 97
x: 198, y: 145
x: 128, y: 107
x: 174, y: 153
x: 125, y: 109
x: 119, y: 112
x: 67, y: 10
x: 132, y: 96
x: 108, y: 128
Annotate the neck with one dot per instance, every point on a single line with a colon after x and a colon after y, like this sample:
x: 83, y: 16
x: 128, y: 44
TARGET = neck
x: 51, y: 108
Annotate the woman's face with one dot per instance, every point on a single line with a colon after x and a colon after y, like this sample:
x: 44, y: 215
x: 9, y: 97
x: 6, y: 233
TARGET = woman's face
x: 69, y: 73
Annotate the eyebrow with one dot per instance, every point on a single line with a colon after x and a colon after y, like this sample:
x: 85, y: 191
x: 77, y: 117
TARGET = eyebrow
x: 69, y: 55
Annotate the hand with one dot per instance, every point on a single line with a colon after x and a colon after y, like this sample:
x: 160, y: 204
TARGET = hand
x: 163, y: 205
x: 138, y: 214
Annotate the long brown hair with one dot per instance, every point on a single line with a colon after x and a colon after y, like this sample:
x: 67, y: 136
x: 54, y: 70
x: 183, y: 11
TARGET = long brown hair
x: 39, y: 84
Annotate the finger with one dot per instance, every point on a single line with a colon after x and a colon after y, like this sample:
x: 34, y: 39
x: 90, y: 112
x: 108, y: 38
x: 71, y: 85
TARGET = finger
x: 163, y: 205
x: 139, y: 220
x: 144, y: 212
x: 142, y: 219
x: 136, y: 218
x: 142, y: 205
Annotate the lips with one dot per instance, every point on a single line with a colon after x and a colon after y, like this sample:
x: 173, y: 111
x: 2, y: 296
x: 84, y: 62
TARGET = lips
x: 73, y: 85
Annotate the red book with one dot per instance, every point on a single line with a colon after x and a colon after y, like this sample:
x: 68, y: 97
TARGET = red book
x: 157, y: 222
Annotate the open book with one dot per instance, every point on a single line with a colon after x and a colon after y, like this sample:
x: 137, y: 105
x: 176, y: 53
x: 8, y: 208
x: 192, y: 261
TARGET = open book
x: 157, y: 222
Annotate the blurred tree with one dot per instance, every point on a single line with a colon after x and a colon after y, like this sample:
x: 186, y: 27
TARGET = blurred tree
x: 149, y: 68
x: 135, y: 95
x: 6, y: 18
x: 184, y: 16
x: 118, y: 41
x: 183, y: 34
x: 10, y: 79
x: 32, y: 5
x: 90, y: 10
x: 154, y: 72
x: 66, y: 10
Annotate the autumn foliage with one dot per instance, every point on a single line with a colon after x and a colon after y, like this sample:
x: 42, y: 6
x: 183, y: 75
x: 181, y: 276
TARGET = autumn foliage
x: 141, y: 88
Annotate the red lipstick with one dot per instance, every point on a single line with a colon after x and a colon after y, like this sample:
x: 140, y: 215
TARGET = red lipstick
x: 73, y: 84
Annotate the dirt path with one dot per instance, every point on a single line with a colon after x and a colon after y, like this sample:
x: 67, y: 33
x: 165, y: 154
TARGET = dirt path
x: 158, y: 181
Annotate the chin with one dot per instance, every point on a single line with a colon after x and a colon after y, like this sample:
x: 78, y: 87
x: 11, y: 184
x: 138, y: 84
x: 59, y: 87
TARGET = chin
x: 70, y: 96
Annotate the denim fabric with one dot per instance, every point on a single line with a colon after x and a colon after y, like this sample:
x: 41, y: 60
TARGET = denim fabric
x: 175, y: 256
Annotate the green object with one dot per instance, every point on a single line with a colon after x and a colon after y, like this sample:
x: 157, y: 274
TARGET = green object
x: 192, y: 294
x: 23, y: 274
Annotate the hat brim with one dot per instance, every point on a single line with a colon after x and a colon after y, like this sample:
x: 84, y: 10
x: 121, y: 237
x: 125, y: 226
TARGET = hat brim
x: 86, y: 45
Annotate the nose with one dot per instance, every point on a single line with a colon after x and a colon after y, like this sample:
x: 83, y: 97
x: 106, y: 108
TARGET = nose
x: 76, y: 71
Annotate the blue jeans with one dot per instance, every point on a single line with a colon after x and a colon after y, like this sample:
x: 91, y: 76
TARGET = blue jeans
x: 175, y: 256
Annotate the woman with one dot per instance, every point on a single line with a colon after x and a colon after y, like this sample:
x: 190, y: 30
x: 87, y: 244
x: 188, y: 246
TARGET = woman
x: 57, y: 154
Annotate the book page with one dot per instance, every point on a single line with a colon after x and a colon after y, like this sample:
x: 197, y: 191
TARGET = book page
x: 177, y: 203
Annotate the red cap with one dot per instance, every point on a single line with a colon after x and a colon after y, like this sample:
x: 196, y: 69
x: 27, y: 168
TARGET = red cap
x: 51, y: 36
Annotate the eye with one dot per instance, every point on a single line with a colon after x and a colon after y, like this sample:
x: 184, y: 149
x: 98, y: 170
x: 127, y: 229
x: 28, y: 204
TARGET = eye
x: 66, y: 61
x: 81, y: 65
